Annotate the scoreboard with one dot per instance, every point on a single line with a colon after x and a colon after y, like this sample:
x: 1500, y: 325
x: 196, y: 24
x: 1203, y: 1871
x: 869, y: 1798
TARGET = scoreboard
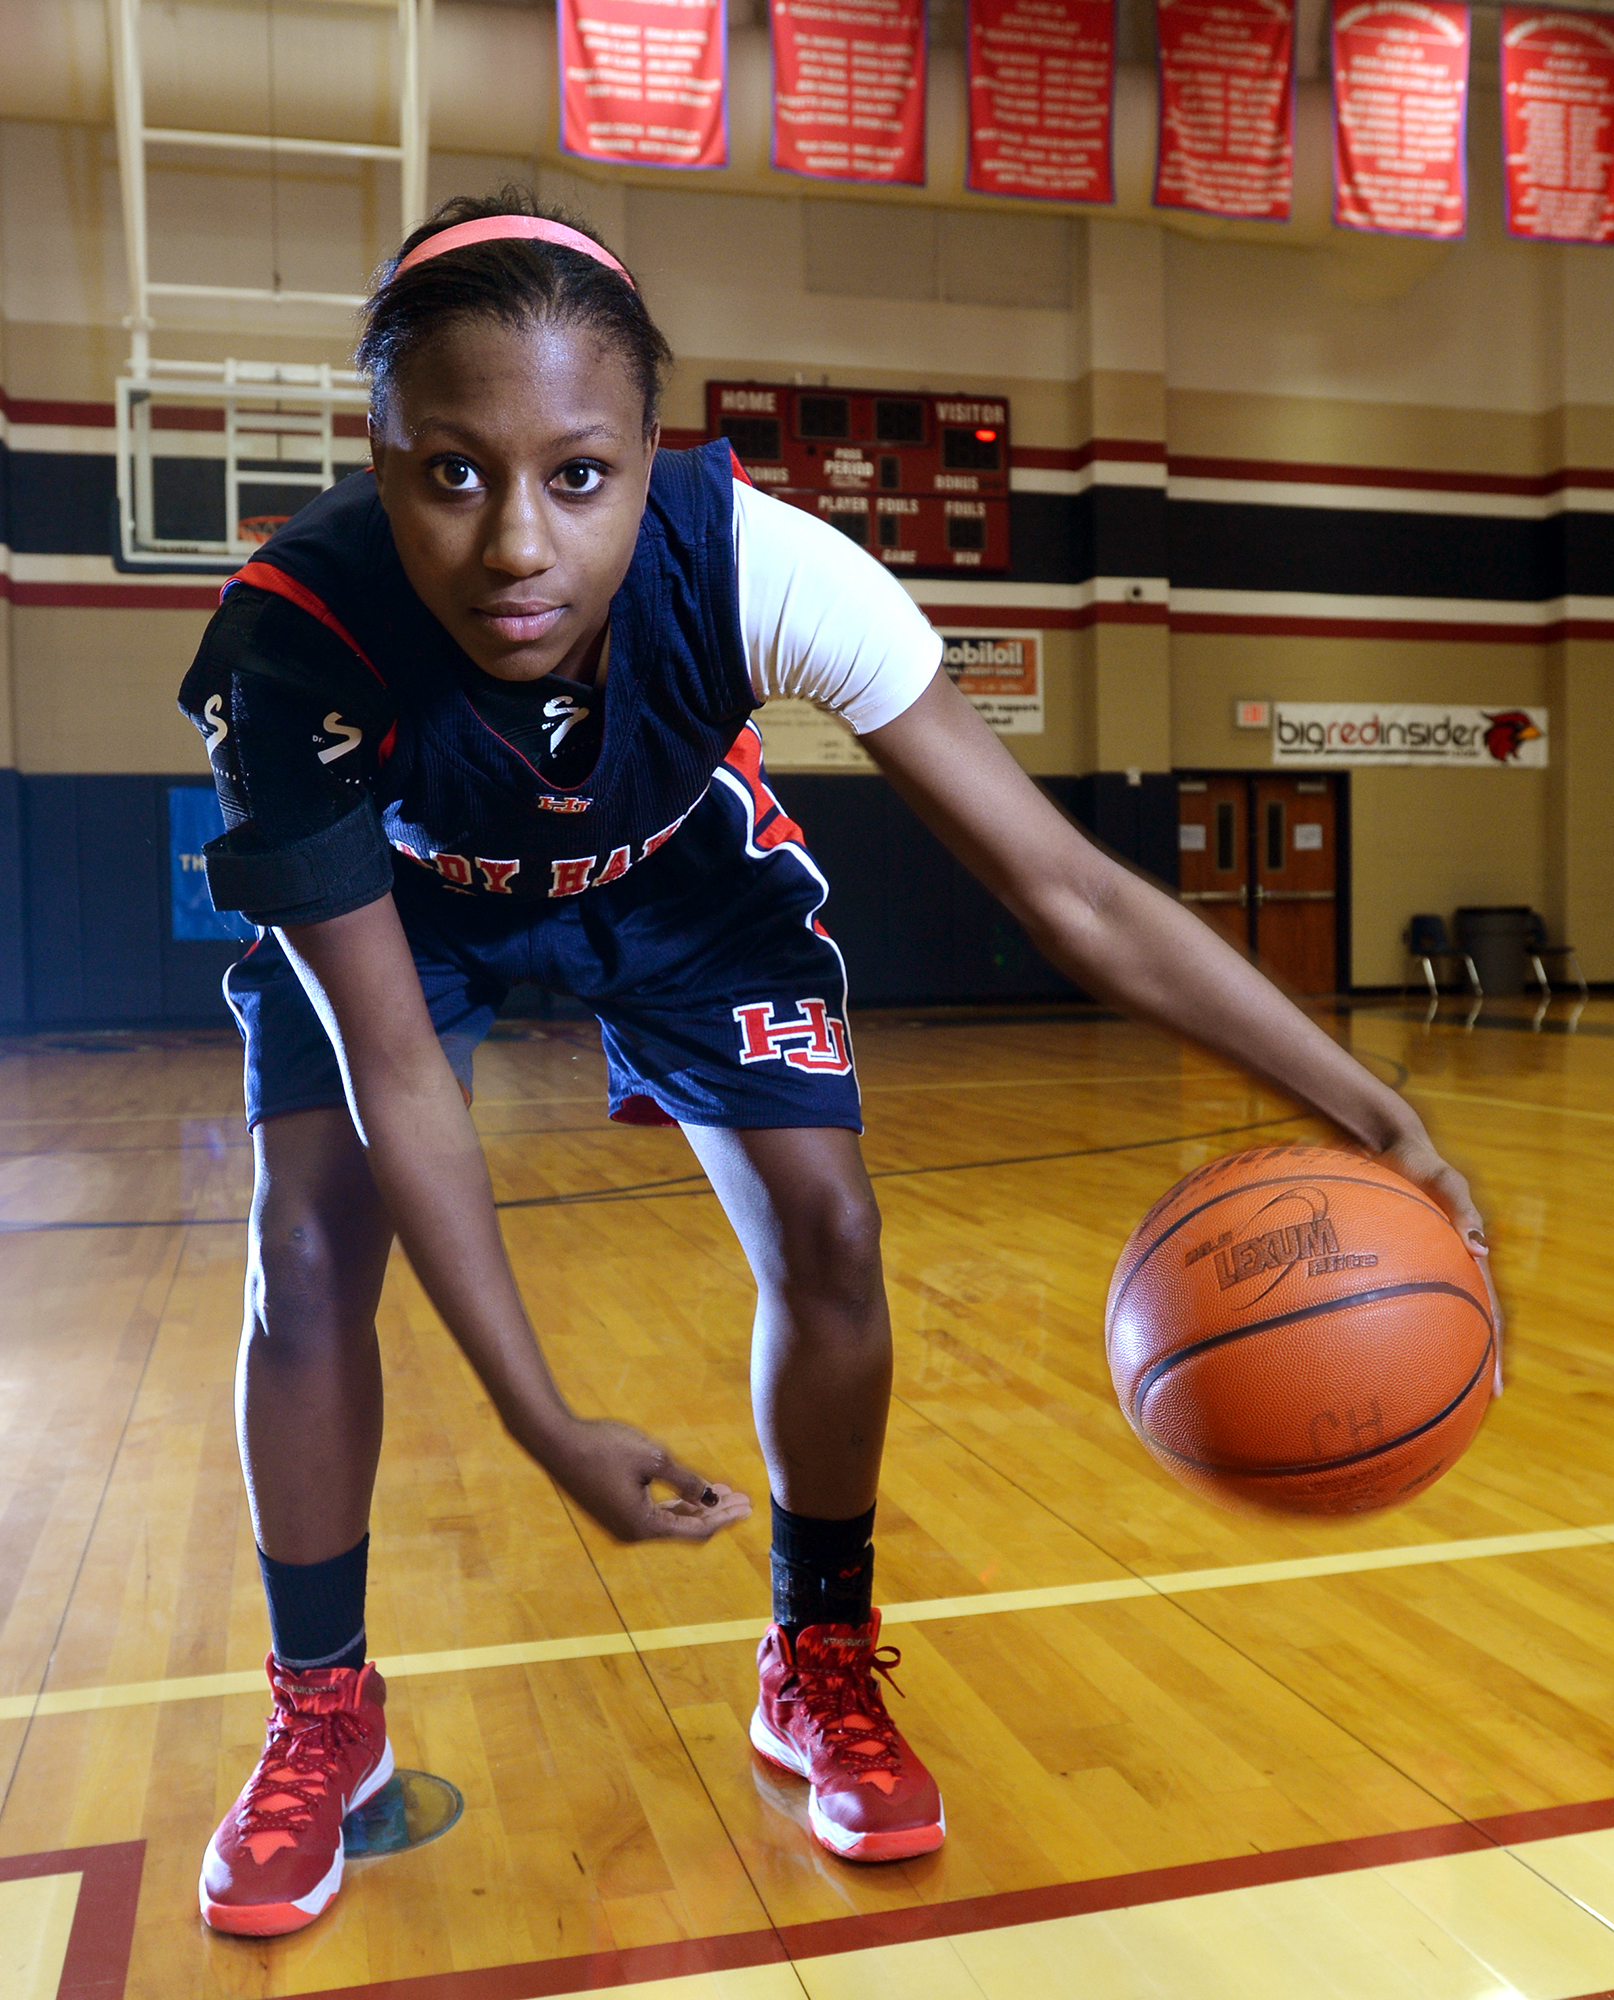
x: 920, y: 481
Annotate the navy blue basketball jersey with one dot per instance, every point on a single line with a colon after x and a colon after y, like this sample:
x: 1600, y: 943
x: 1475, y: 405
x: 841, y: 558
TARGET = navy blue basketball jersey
x: 342, y: 721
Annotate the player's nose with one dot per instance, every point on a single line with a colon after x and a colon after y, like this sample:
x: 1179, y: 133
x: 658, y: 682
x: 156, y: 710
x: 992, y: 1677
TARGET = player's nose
x: 518, y: 542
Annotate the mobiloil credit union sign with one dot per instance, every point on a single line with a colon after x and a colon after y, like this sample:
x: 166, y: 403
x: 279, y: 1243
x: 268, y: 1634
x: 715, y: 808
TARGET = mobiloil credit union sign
x: 1337, y: 733
x: 1001, y: 674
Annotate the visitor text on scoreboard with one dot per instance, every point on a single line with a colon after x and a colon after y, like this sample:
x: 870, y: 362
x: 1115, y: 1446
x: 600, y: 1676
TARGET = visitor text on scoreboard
x: 921, y: 481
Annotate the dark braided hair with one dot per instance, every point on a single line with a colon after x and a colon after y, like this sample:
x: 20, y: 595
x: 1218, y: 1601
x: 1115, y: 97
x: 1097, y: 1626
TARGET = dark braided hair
x: 518, y: 282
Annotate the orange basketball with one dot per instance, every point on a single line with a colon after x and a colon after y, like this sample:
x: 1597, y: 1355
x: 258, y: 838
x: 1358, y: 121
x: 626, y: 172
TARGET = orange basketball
x: 1300, y: 1329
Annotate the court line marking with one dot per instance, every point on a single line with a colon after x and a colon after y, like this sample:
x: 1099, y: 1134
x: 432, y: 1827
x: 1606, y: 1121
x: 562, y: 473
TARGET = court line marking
x: 1509, y: 1104
x: 1455, y: 1872
x: 679, y: 1186
x: 1227, y: 1076
x: 669, y: 1638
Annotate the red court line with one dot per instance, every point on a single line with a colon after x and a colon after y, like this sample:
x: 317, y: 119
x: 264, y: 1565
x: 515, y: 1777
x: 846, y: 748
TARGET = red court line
x: 97, y: 1961
x: 596, y: 1971
x: 590, y: 1972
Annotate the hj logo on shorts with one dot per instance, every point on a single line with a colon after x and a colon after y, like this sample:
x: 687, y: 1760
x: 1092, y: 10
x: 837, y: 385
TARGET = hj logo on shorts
x: 816, y: 1042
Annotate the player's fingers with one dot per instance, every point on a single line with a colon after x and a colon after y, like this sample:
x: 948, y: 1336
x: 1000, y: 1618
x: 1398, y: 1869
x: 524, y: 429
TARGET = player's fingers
x: 1482, y: 1257
x: 683, y: 1522
x: 697, y: 1510
x: 694, y: 1487
x: 1451, y: 1191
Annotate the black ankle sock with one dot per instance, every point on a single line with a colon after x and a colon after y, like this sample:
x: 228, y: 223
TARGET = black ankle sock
x: 316, y: 1610
x: 823, y: 1571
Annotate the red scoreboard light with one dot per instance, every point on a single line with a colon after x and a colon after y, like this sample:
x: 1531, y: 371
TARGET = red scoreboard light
x: 920, y: 481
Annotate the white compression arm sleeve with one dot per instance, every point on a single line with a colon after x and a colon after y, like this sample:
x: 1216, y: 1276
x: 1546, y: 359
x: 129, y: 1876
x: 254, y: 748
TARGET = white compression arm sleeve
x: 824, y: 621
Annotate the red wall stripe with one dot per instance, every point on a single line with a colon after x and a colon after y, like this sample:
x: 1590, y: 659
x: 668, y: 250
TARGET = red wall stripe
x: 101, y: 416
x: 1253, y: 625
x: 1301, y: 472
x: 114, y: 596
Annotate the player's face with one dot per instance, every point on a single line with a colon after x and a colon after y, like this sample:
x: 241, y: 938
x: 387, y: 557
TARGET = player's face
x: 513, y: 466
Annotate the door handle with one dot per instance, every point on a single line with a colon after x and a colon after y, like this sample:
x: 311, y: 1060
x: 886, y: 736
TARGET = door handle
x: 1240, y: 896
x: 1294, y: 895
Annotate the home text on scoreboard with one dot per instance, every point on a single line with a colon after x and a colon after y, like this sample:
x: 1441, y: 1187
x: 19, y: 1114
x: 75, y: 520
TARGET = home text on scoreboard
x: 921, y: 481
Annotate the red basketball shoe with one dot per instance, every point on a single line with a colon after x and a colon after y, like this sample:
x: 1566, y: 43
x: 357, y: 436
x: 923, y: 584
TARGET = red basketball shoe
x: 821, y: 1714
x: 276, y: 1860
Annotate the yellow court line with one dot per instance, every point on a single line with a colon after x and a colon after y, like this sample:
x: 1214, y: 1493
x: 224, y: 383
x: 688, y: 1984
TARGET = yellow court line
x: 668, y: 1638
x: 36, y: 1925
x: 1509, y: 1104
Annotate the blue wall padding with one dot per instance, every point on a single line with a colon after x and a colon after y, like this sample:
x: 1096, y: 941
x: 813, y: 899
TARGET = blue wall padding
x: 87, y: 914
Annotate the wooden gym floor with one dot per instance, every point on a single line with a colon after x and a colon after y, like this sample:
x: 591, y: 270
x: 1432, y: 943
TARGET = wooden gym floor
x: 1184, y: 1754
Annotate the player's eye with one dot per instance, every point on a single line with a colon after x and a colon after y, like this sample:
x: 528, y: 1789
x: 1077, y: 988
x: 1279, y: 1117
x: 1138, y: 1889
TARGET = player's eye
x: 455, y: 475
x: 580, y: 476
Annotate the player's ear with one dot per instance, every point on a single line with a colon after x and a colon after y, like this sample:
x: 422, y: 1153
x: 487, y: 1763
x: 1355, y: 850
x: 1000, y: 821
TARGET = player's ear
x: 378, y: 441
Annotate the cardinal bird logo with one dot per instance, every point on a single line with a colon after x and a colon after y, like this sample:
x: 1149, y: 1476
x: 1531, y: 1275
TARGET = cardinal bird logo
x: 1509, y: 731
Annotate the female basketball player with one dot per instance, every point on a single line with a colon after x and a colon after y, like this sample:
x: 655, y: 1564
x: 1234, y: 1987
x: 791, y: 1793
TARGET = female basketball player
x: 481, y: 719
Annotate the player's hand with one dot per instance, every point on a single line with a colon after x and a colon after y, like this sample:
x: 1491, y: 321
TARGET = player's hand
x: 1415, y: 1159
x: 609, y: 1468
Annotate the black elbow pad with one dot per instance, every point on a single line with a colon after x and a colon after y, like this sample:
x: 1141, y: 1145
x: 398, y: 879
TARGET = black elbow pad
x: 341, y: 867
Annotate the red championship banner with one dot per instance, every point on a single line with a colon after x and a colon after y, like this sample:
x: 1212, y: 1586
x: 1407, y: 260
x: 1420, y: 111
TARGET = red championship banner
x: 1227, y: 107
x: 1041, y: 94
x: 1400, y: 116
x: 642, y: 82
x: 1558, y: 125
x: 849, y: 89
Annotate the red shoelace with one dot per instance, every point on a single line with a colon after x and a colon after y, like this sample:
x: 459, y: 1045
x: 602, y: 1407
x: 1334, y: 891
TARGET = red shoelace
x: 299, y: 1761
x: 848, y: 1710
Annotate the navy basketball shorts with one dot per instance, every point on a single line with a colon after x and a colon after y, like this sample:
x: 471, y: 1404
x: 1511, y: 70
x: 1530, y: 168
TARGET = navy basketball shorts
x: 721, y: 998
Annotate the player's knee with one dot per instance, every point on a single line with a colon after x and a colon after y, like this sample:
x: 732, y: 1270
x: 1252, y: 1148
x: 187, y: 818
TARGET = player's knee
x: 298, y: 1288
x: 832, y: 1249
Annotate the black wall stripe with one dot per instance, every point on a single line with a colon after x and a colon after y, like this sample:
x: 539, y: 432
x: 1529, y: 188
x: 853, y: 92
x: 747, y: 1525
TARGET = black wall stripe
x: 13, y: 936
x: 1215, y: 546
x: 60, y: 503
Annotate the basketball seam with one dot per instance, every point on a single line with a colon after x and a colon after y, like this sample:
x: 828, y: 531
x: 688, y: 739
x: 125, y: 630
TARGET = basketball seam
x: 1249, y: 1187
x: 1412, y: 1288
x: 1351, y: 1458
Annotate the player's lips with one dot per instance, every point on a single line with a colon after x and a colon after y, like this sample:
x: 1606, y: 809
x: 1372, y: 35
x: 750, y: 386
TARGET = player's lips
x: 519, y: 623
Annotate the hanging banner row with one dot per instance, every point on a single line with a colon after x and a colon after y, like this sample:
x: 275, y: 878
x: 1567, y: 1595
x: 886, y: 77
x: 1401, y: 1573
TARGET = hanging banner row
x: 643, y: 84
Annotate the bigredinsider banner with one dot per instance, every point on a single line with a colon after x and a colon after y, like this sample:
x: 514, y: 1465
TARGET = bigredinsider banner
x: 1333, y: 735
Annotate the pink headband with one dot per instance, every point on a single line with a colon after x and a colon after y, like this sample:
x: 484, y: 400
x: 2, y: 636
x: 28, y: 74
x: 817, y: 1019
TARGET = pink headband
x: 495, y: 228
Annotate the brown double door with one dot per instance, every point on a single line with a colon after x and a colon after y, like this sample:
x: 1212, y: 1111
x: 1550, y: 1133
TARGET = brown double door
x: 1259, y: 857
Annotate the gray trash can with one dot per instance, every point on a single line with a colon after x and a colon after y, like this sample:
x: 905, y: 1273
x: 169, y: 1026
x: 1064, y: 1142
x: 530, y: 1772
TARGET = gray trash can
x: 1494, y: 938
